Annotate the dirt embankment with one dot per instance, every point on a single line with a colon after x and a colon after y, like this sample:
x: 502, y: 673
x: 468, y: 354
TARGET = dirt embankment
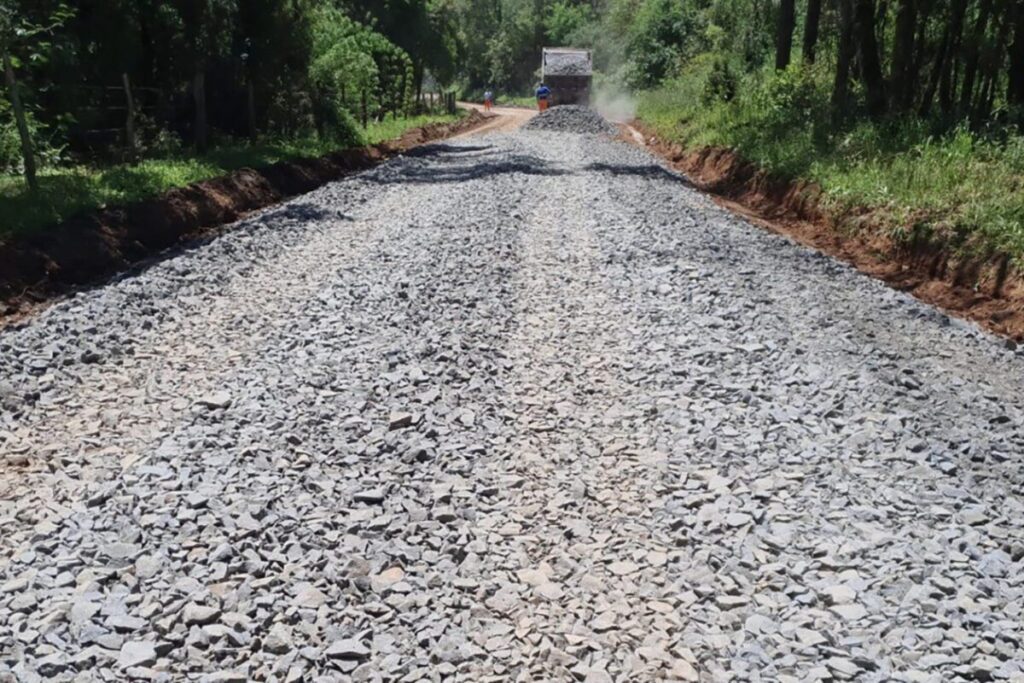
x: 985, y: 288
x: 96, y: 245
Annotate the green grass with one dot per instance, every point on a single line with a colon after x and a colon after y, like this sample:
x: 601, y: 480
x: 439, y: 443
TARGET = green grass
x: 517, y: 101
x: 67, y: 191
x: 963, y: 188
x: 389, y: 129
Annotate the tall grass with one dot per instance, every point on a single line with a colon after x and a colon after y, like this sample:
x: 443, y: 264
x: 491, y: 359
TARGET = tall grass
x: 964, y: 187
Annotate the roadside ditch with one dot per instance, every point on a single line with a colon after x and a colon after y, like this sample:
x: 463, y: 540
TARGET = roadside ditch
x: 90, y: 248
x: 984, y: 287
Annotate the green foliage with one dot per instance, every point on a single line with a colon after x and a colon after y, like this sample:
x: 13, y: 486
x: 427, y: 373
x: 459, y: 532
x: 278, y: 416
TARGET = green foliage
x: 721, y: 84
x: 782, y: 100
x: 565, y: 20
x: 960, y: 184
x: 661, y: 35
x: 10, y: 144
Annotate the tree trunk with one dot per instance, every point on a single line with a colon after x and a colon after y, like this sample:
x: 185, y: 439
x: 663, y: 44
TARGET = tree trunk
x: 903, y: 56
x: 812, y: 23
x: 27, y: 152
x: 973, y: 55
x: 841, y: 86
x: 947, y: 84
x: 921, y: 52
x: 933, y: 82
x: 1015, y: 87
x: 365, y: 113
x: 199, y: 93
x: 871, y: 67
x: 992, y: 61
x: 784, y: 36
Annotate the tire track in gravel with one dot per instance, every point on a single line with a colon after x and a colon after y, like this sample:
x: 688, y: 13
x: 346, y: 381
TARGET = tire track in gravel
x: 575, y: 552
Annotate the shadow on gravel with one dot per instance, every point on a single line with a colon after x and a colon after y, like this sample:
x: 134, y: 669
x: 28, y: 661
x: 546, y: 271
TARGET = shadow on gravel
x: 652, y: 171
x: 282, y: 217
x: 439, y: 149
x: 458, y: 171
x: 303, y: 211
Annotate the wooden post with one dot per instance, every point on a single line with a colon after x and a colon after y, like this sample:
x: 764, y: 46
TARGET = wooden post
x: 27, y: 153
x: 199, y: 92
x: 129, y: 123
x: 250, y: 106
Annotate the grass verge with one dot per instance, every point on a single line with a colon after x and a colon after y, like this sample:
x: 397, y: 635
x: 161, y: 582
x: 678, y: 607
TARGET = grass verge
x: 962, y: 188
x: 66, y: 191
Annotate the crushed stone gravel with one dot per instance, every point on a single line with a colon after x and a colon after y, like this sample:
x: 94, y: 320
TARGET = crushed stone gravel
x: 513, y: 408
x: 571, y: 118
x: 567, y: 64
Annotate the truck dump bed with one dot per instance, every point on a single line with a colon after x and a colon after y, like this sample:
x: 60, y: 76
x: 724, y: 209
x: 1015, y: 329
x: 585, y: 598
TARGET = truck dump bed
x: 568, y: 72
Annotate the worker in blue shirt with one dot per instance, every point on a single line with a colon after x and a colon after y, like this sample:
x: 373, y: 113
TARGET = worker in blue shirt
x: 543, y: 97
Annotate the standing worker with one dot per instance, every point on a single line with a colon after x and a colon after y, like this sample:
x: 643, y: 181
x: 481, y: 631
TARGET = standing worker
x: 488, y: 100
x: 543, y: 95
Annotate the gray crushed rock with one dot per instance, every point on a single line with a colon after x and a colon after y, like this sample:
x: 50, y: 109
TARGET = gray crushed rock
x: 572, y: 118
x: 512, y: 408
x: 567, y: 64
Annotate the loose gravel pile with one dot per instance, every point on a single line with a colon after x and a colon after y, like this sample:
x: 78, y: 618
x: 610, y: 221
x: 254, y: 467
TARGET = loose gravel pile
x: 519, y: 408
x: 572, y: 118
x: 567, y: 64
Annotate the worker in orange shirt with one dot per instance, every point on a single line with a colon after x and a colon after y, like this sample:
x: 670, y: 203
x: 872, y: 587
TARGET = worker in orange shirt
x: 543, y: 97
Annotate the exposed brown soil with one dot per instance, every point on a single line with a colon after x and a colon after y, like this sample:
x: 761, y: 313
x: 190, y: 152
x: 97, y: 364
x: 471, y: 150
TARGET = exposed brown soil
x: 986, y: 289
x: 93, y: 246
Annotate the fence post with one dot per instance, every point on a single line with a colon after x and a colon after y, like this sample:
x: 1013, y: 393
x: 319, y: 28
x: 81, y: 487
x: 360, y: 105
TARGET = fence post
x: 129, y: 124
x: 199, y: 93
x: 250, y: 106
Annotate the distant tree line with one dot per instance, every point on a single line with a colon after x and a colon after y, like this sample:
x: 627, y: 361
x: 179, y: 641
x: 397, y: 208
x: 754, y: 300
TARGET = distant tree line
x: 954, y: 60
x: 189, y: 69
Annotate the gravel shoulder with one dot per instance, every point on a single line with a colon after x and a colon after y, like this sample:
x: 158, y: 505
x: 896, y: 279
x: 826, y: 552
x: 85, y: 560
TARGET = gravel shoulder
x: 513, y: 407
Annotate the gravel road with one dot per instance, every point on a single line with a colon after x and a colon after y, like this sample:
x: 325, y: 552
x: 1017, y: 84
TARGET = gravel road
x: 520, y: 407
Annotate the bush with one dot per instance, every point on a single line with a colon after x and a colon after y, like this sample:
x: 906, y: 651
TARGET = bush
x: 11, y: 160
x: 10, y: 148
x: 722, y: 83
x: 789, y: 98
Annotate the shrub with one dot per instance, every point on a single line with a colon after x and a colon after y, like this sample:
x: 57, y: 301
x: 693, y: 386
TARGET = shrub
x: 722, y: 83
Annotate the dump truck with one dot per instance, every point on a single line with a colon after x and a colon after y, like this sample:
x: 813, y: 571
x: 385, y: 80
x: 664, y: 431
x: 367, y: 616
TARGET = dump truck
x: 569, y: 73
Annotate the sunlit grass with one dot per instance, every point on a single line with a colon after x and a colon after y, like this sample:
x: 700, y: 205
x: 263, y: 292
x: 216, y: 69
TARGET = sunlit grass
x: 965, y: 188
x: 67, y: 191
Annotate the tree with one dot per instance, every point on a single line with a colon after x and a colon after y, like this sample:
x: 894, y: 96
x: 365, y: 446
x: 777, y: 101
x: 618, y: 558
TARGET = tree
x: 207, y: 27
x: 1015, y: 86
x: 17, y: 30
x: 947, y: 80
x: 812, y: 24
x: 973, y: 54
x: 867, y: 50
x: 903, y: 55
x: 844, y: 60
x: 784, y: 33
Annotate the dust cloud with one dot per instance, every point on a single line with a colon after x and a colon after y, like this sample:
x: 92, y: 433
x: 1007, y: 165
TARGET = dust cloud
x: 614, y: 104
